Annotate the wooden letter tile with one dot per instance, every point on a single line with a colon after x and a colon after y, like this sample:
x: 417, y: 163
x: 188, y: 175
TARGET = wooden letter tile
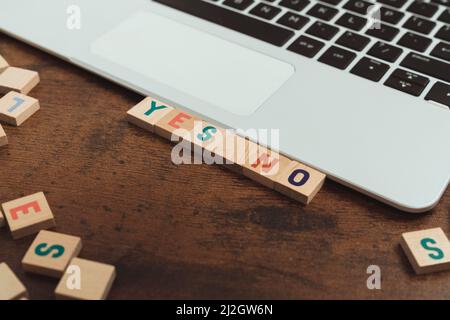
x: 3, y: 137
x: 86, y: 280
x: 206, y: 136
x: 264, y: 166
x: 50, y: 253
x: 175, y: 122
x: 28, y: 215
x: 16, y: 108
x: 2, y: 219
x: 427, y: 250
x: 10, y: 286
x: 3, y: 64
x: 20, y: 80
x: 147, y: 113
x: 300, y: 182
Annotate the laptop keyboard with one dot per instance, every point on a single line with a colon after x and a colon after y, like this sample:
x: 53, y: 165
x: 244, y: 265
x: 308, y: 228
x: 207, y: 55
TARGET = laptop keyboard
x: 403, y: 44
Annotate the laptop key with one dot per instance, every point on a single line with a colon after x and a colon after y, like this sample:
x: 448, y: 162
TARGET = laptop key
x: 332, y: 2
x: 252, y: 27
x: 423, y: 8
x: 322, y: 12
x: 420, y: 25
x: 414, y: 41
x: 411, y: 76
x: 358, y: 6
x: 385, y: 51
x: 390, y: 16
x: 394, y: 3
x: 322, y: 30
x: 404, y: 85
x: 445, y: 16
x: 306, y: 46
x: 444, y: 33
x: 353, y: 41
x: 382, y: 31
x: 427, y: 65
x: 297, y: 5
x: 292, y: 20
x: 337, y: 57
x: 370, y: 69
x: 352, y: 21
x: 265, y: 11
x: 442, y: 50
x: 440, y: 92
x: 443, y: 2
x: 238, y: 4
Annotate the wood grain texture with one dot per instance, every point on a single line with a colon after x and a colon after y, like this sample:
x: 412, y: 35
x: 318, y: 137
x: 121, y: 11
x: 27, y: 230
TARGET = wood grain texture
x: 189, y: 231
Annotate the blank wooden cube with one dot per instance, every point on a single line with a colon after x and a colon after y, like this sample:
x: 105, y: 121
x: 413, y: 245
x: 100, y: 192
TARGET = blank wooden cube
x: 427, y: 250
x: 174, y: 122
x: 3, y: 137
x: 147, y: 113
x: 16, y: 108
x: 3, y: 64
x: 265, y: 166
x: 17, y: 79
x: 10, y: 286
x: 96, y: 280
x: 50, y: 253
x: 28, y: 215
x: 300, y: 182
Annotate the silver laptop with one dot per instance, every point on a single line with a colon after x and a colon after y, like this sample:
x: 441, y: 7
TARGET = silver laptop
x: 359, y: 90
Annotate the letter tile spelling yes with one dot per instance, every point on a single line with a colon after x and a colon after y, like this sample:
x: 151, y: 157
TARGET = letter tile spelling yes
x: 28, y: 215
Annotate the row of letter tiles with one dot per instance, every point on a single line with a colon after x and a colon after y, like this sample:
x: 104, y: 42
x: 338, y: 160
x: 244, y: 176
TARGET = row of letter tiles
x: 267, y: 167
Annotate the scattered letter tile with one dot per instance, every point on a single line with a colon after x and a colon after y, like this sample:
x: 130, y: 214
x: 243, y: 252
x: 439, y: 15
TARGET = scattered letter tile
x: 50, y: 253
x: 427, y: 250
x: 16, y: 108
x: 28, y: 215
x: 10, y: 286
x: 86, y: 280
x: 20, y: 80
x: 3, y: 137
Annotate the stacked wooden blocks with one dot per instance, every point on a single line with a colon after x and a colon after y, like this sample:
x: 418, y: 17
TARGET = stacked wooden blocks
x: 15, y: 106
x: 51, y: 254
x: 261, y: 164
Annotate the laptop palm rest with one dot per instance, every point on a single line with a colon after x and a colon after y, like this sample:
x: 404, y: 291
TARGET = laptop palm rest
x: 216, y: 71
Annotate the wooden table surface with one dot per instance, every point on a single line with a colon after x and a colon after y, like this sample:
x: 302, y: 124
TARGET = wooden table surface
x: 190, y: 232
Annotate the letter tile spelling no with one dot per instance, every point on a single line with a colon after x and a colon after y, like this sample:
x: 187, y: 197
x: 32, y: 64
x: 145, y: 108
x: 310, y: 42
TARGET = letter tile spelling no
x: 300, y: 182
x: 50, y: 253
x: 427, y: 250
x: 28, y: 215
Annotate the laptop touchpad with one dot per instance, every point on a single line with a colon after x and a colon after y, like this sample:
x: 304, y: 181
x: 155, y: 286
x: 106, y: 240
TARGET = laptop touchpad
x: 213, y: 70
